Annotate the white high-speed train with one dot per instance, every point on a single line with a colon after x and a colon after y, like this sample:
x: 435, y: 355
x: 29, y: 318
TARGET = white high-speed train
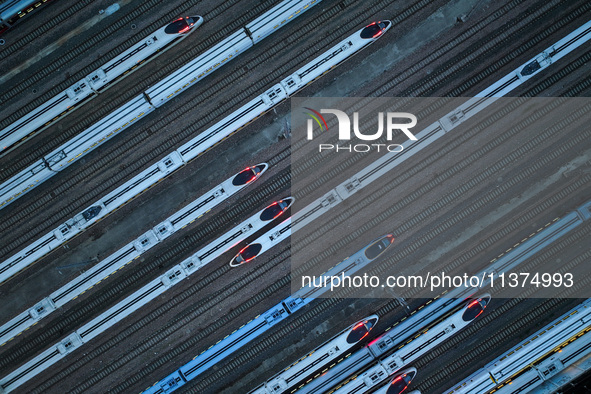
x: 156, y: 96
x: 322, y: 355
x: 268, y: 319
x: 111, y: 202
x: 415, y: 348
x: 137, y: 299
x: 265, y: 321
x: 399, y: 383
x: 535, y: 359
x: 96, y: 82
x: 111, y: 264
x: 188, y: 151
x: 262, y: 243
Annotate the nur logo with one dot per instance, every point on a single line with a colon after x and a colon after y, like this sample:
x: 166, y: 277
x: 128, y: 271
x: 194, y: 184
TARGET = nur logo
x: 392, y: 123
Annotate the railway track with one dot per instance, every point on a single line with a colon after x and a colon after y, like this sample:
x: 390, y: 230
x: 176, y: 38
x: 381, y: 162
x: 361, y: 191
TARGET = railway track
x: 465, y: 163
x: 509, y: 333
x: 52, y: 141
x: 44, y: 28
x: 473, y: 158
x: 520, y: 221
x: 53, y: 329
x: 196, y: 311
x: 442, y: 226
x: 30, y: 211
x: 110, y: 33
x: 579, y: 88
x: 449, y: 71
x: 257, y: 270
x: 59, y: 190
x: 37, y: 212
x: 481, y: 52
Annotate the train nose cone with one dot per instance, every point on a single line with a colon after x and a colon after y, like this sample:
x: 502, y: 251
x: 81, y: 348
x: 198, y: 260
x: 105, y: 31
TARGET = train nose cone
x: 260, y: 168
x: 484, y: 300
x: 475, y: 307
x: 371, y: 322
x: 374, y: 30
x: 276, y: 209
x: 236, y: 261
x: 195, y: 20
x: 249, y: 174
x: 410, y: 374
x: 401, y: 382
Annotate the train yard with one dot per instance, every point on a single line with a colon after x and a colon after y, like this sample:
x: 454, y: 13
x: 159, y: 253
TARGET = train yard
x: 471, y: 198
